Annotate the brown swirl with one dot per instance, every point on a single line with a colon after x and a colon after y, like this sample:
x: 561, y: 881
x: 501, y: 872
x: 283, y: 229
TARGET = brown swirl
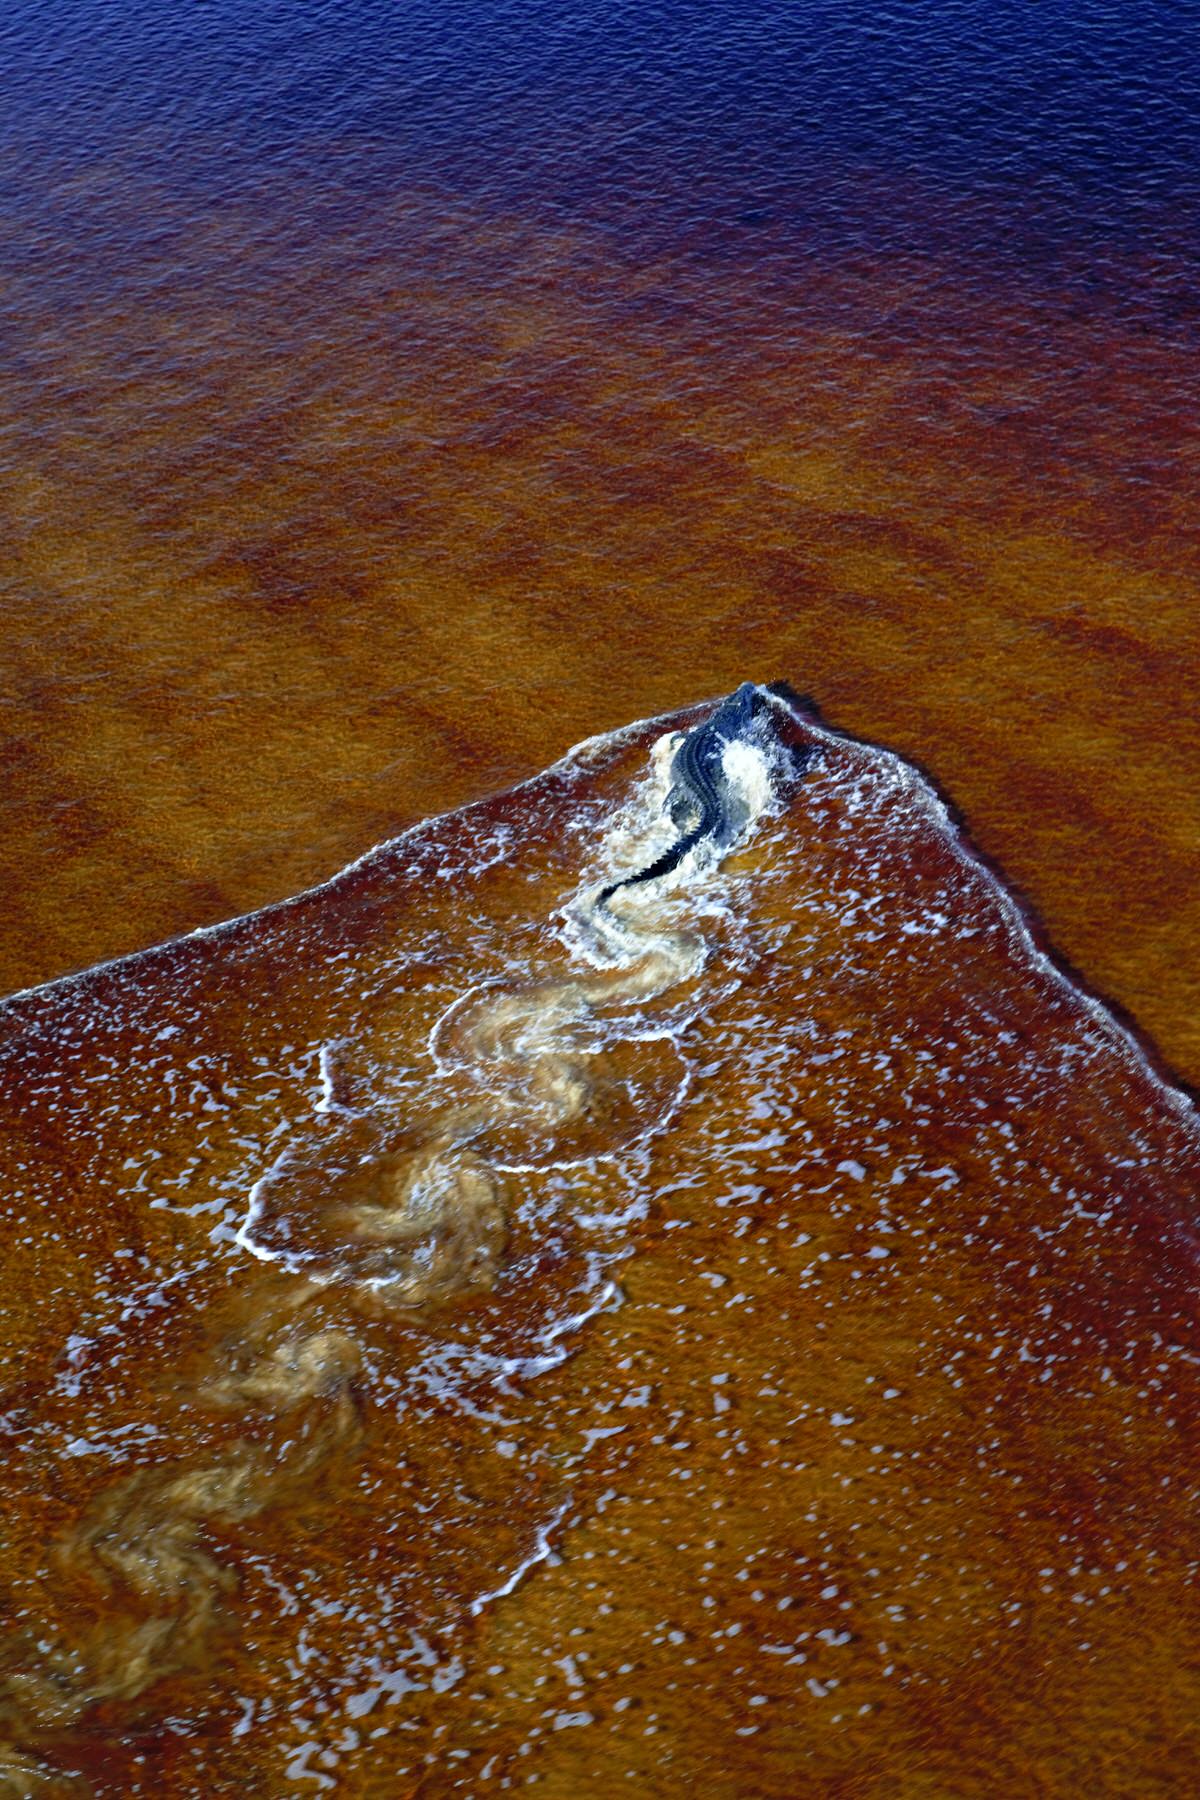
x: 410, y: 1214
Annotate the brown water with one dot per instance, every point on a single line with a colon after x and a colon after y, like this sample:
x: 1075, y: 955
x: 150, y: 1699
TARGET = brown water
x: 449, y: 1350
x: 736, y: 1335
x: 341, y: 510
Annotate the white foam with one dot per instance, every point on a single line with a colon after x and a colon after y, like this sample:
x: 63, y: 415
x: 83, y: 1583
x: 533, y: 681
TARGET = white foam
x: 524, y: 1046
x: 920, y: 793
x: 543, y: 1551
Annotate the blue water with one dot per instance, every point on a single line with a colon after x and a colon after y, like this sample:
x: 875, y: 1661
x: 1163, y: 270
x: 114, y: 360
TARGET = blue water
x: 1040, y: 126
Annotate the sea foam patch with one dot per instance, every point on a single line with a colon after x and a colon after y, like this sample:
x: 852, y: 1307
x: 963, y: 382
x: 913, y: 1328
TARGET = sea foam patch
x: 661, y: 1121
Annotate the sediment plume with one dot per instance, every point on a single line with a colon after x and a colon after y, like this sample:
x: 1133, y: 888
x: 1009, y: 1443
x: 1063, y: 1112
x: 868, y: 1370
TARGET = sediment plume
x: 675, y: 1217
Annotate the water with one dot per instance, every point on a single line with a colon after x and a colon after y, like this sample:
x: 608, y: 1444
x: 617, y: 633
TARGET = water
x: 716, y: 1301
x: 389, y: 405
x: 1081, y: 117
x: 454, y: 1338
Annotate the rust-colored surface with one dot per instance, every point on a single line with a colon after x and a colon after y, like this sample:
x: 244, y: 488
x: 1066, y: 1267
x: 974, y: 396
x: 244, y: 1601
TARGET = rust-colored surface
x: 327, y: 509
x: 813, y: 1409
x: 329, y: 502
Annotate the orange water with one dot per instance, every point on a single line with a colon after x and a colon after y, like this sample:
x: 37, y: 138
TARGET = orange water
x: 463, y: 1358
x: 340, y: 509
x: 392, y: 399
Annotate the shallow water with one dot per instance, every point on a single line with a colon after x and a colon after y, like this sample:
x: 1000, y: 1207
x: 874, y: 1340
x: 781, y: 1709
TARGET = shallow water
x: 733, y: 1335
x: 444, y: 1351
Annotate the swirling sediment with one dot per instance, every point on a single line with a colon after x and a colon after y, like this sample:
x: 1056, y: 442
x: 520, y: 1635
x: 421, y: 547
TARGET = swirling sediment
x: 406, y: 1213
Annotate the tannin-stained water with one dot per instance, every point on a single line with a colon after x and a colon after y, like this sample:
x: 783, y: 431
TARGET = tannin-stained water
x: 468, y: 1332
x: 334, y: 496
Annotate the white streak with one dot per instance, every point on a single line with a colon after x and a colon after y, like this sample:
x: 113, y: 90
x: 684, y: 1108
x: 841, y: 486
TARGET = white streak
x: 543, y: 1551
